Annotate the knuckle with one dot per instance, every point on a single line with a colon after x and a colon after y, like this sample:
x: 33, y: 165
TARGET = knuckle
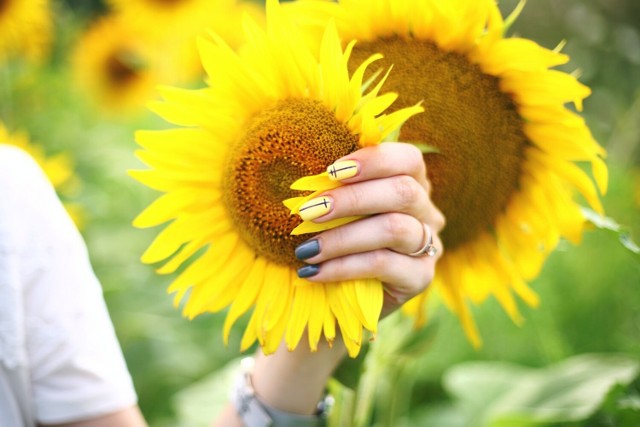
x: 355, y: 195
x: 396, y: 227
x: 407, y: 191
x: 338, y: 268
x: 425, y: 281
x: 429, y: 187
x: 338, y: 240
x: 439, y: 221
x: 415, y: 160
x: 378, y: 261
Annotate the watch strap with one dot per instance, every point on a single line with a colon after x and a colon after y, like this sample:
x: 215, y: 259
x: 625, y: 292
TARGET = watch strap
x: 255, y: 413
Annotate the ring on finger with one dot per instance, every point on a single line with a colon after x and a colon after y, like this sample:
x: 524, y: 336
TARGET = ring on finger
x: 428, y: 248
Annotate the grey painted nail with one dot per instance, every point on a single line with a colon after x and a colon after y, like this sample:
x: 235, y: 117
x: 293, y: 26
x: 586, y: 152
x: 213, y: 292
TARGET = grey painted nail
x: 308, y: 271
x: 307, y: 249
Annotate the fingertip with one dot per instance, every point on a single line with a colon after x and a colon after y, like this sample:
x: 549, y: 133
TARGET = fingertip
x: 308, y: 271
x: 307, y: 250
x: 344, y: 169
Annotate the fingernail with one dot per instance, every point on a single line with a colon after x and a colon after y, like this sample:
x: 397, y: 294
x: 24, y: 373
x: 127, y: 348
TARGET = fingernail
x: 307, y: 249
x: 315, y: 208
x: 308, y: 271
x: 343, y: 170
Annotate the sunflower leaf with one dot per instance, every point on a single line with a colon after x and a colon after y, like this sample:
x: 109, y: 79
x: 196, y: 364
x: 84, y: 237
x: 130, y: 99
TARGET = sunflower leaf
x: 628, y: 243
x: 513, y: 16
x: 611, y: 225
x: 426, y: 148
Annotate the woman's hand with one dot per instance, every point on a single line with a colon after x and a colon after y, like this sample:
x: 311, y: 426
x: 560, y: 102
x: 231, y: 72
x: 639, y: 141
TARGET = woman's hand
x: 391, y: 188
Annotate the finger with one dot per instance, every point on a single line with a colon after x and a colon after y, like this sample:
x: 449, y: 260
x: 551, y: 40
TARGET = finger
x: 380, y: 161
x: 400, y: 193
x: 404, y: 276
x: 395, y: 231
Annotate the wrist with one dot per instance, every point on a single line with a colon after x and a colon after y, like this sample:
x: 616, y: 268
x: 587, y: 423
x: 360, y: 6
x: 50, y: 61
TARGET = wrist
x: 294, y: 381
x: 251, y: 411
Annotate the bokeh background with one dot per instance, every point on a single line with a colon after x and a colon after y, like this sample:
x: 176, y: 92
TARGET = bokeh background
x: 584, y: 338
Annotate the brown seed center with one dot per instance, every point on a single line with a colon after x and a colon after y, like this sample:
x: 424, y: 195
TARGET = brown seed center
x: 474, y: 126
x: 120, y: 70
x: 165, y: 3
x: 294, y: 138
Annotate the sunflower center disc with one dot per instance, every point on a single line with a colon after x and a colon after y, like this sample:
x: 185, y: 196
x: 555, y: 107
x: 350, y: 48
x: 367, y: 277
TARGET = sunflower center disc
x: 168, y: 2
x: 295, y: 138
x: 474, y: 126
x: 119, y: 71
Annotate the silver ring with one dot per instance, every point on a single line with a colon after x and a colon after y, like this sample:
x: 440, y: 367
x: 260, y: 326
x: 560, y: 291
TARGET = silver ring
x: 428, y: 248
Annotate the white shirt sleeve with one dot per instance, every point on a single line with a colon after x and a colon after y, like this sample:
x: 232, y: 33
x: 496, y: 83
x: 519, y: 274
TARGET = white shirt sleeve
x: 77, y: 370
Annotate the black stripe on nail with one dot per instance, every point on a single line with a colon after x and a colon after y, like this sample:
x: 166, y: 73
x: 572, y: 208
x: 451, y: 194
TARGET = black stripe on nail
x: 324, y: 202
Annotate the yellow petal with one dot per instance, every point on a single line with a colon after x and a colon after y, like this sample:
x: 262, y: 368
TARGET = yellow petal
x: 320, y: 182
x: 312, y: 227
x: 370, y: 297
x: 246, y: 296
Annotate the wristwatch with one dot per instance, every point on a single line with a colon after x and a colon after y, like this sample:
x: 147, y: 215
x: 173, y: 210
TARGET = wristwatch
x: 255, y: 413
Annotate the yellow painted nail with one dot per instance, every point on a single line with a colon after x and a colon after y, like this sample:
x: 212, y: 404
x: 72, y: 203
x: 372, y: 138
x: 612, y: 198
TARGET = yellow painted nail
x: 343, y: 170
x: 315, y: 208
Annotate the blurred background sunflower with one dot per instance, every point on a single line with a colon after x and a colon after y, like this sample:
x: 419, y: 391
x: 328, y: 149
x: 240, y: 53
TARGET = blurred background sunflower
x: 115, y: 66
x: 25, y: 28
x: 589, y: 297
x: 175, y: 25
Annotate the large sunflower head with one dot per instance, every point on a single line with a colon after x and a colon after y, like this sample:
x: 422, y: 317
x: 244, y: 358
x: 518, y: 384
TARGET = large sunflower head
x: 58, y: 168
x: 275, y: 113
x: 25, y: 28
x: 507, y: 144
x: 116, y: 66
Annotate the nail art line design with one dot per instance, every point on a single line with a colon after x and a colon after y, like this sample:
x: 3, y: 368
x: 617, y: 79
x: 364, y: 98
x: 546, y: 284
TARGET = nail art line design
x: 315, y: 208
x: 343, y: 170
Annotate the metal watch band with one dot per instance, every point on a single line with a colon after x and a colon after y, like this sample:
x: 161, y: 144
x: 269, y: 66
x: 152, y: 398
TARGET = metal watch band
x: 255, y: 413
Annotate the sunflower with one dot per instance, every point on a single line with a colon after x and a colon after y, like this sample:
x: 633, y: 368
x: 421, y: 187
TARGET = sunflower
x: 175, y: 25
x: 25, y: 28
x: 115, y: 66
x: 271, y: 115
x: 58, y: 168
x: 508, y: 149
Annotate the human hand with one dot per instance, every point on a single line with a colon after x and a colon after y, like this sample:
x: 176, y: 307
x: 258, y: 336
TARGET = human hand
x: 390, y: 187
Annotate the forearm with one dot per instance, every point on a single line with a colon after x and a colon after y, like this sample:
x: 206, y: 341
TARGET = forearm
x: 129, y: 417
x: 290, y: 381
x: 295, y: 381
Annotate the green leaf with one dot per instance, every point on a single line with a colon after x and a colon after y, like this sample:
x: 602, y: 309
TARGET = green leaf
x: 621, y: 408
x: 512, y: 396
x: 611, y: 225
x: 426, y: 148
x: 341, y: 414
x: 350, y: 369
x: 627, y: 242
x: 203, y: 401
x: 514, y: 15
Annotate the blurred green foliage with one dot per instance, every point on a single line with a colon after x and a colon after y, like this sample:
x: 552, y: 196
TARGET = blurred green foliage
x: 590, y: 294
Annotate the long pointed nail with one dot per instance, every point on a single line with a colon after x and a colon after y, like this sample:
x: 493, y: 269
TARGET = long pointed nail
x: 343, y: 170
x: 315, y: 208
x: 308, y: 271
x: 308, y: 249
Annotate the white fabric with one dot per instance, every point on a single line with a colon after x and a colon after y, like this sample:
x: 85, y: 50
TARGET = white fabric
x: 58, y: 349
